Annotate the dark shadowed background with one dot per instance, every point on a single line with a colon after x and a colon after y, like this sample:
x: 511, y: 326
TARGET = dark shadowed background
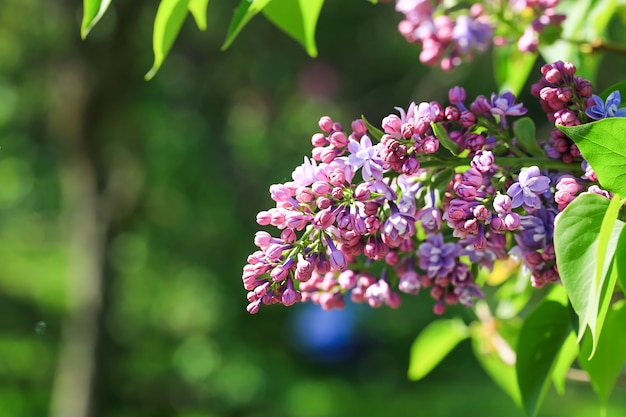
x: 127, y: 211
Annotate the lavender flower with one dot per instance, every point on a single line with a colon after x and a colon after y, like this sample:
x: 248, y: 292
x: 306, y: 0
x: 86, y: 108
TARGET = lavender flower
x: 531, y: 184
x: 437, y: 258
x: 504, y: 105
x: 603, y: 110
x: 365, y: 155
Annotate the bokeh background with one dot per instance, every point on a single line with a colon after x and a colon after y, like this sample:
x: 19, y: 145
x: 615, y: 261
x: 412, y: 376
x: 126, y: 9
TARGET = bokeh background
x: 127, y: 211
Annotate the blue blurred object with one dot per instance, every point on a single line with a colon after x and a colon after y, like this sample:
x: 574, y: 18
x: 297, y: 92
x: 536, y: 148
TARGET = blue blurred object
x: 325, y: 336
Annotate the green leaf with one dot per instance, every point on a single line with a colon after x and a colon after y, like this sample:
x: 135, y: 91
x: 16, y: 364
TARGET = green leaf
x: 524, y: 130
x: 512, y: 67
x: 620, y: 261
x: 374, y: 131
x: 541, y: 338
x: 93, y: 10
x: 298, y: 19
x: 167, y: 23
x: 441, y: 180
x: 584, y: 254
x: 496, y: 357
x: 433, y: 344
x: 606, y: 365
x: 198, y: 11
x: 444, y: 139
x: 564, y: 361
x: 603, y: 144
x: 246, y: 10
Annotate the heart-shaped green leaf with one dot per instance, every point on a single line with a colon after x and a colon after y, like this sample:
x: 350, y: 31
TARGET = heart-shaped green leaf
x: 298, y: 19
x: 585, y: 238
x: 603, y: 144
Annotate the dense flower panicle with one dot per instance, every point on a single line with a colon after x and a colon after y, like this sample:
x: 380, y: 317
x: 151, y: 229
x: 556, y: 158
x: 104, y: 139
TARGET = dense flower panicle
x: 448, y: 38
x: 375, y: 214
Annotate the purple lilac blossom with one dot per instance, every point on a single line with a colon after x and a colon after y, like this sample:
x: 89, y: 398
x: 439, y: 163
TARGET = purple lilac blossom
x: 365, y: 155
x: 531, y: 184
x: 436, y: 257
x: 605, y: 109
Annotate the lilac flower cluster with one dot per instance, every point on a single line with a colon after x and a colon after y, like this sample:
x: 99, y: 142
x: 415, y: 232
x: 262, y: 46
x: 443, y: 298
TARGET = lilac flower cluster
x: 449, y: 38
x: 423, y: 204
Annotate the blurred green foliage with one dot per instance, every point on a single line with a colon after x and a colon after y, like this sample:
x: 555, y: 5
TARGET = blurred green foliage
x: 180, y: 166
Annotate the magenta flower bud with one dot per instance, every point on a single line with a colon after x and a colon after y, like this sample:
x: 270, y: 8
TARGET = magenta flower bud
x: 467, y: 119
x: 326, y: 123
x: 431, y: 144
x: 324, y: 219
x: 481, y: 105
x: 279, y: 192
x: 456, y: 94
x: 362, y: 192
x: 279, y: 273
x: 323, y: 203
x: 452, y: 114
x: 338, y: 139
x: 481, y: 212
x: 392, y: 124
x: 328, y: 154
x: 338, y: 260
x: 410, y: 166
x: 553, y: 76
x: 253, y: 307
x: 497, y: 225
x: 567, y: 183
x: 322, y: 266
x: 512, y: 221
x: 304, y: 195
x: 262, y: 239
x: 431, y: 219
x: 275, y: 251
x: 480, y: 243
x: 319, y: 140
x: 566, y: 117
x: 288, y: 235
x: 473, y: 177
x: 458, y: 209
x: 337, y: 193
x: 466, y: 192
x: 263, y: 218
x: 320, y: 188
x: 359, y: 127
x: 278, y: 218
x: 502, y: 204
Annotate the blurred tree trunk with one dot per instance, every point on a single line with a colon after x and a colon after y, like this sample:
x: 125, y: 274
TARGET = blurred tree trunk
x: 86, y: 90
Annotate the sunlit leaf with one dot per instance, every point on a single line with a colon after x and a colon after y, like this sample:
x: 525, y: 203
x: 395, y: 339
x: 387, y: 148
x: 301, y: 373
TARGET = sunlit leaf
x: 198, y: 11
x: 442, y: 135
x: 433, y: 344
x: 93, y: 10
x: 167, y: 23
x: 512, y: 67
x: 583, y: 259
x: 246, y: 10
x: 524, y: 130
x: 541, y: 338
x: 297, y: 18
x: 620, y: 261
x: 610, y: 356
x: 603, y: 144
